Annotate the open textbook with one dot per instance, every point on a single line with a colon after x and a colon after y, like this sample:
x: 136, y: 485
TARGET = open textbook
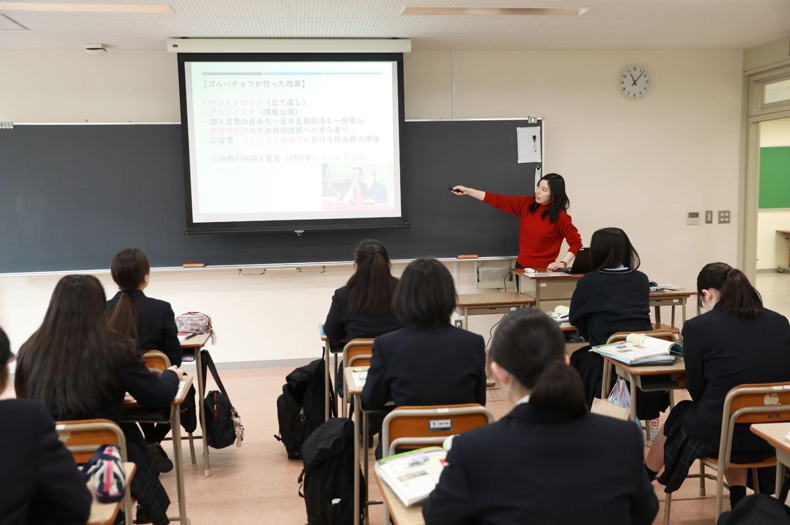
x: 413, y: 475
x: 560, y: 313
x: 640, y: 349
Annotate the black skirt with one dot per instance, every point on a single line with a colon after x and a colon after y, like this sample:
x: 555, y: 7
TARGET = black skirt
x: 681, y: 450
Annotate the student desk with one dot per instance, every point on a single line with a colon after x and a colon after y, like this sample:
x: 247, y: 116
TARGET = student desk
x: 648, y: 378
x: 192, y: 349
x: 400, y: 514
x: 353, y: 390
x: 551, y: 289
x: 776, y: 435
x: 490, y: 303
x: 175, y: 422
x: 786, y: 235
x: 105, y: 513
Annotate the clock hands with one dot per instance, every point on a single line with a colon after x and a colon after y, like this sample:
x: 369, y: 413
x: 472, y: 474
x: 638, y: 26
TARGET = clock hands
x: 632, y: 78
x: 637, y: 78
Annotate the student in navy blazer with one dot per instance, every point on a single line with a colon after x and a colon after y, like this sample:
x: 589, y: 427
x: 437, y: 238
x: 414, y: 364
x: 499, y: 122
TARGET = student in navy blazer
x: 80, y: 369
x: 151, y: 323
x: 429, y: 362
x: 39, y: 481
x: 548, y: 461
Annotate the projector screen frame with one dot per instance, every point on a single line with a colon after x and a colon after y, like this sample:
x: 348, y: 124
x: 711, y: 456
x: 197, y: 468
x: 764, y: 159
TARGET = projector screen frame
x: 289, y: 226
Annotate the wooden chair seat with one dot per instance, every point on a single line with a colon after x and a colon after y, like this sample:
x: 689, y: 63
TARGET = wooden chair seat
x: 770, y: 462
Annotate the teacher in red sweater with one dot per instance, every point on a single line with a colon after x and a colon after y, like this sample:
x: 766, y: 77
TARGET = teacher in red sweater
x: 544, y: 222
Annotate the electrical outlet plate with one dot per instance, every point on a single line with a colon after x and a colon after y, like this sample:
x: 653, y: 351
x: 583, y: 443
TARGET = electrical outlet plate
x: 692, y: 217
x: 724, y: 216
x: 709, y: 217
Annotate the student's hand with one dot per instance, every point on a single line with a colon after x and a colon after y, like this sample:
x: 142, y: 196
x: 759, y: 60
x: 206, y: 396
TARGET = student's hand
x: 555, y: 265
x: 180, y: 373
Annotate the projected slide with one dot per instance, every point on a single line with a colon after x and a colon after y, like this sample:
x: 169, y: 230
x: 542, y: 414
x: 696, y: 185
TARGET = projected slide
x: 279, y: 141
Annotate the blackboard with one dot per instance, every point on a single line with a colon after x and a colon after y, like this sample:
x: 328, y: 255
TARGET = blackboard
x: 71, y: 196
x: 774, y: 177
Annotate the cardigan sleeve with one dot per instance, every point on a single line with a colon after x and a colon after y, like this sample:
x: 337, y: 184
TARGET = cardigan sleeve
x: 512, y: 205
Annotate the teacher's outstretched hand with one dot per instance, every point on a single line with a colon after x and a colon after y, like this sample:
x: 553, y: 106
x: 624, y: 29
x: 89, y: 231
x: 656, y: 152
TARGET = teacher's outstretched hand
x: 544, y: 222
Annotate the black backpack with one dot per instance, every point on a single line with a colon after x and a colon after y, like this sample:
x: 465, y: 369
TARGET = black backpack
x: 220, y: 425
x: 300, y: 408
x: 328, y: 475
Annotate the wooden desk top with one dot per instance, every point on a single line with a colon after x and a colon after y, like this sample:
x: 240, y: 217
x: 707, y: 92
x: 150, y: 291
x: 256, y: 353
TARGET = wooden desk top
x: 199, y: 341
x: 678, y: 367
x: 783, y: 232
x: 181, y: 394
x: 351, y: 386
x: 543, y: 273
x: 105, y: 513
x: 671, y: 294
x: 567, y: 327
x: 399, y: 513
x: 494, y: 299
x: 774, y: 433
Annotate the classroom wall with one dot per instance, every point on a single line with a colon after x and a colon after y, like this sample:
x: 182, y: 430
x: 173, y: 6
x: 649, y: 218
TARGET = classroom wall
x: 772, y: 248
x: 638, y: 165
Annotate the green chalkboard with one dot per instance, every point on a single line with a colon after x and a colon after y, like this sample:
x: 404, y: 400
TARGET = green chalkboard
x: 775, y: 177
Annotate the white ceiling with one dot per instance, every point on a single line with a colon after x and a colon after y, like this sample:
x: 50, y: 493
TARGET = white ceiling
x: 611, y: 24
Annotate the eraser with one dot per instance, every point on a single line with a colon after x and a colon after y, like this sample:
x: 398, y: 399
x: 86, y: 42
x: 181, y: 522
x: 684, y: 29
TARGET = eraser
x: 468, y: 256
x: 529, y: 270
x: 195, y: 265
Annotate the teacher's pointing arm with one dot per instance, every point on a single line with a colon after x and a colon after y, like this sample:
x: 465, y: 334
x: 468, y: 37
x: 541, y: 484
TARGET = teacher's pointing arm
x: 512, y: 205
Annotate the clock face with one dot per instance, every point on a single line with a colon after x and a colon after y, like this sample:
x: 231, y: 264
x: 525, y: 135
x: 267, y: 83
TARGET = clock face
x: 634, y: 82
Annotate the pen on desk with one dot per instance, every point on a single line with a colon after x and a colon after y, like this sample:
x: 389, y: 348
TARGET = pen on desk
x: 190, y: 336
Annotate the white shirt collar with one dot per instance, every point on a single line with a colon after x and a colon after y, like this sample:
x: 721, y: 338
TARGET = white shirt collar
x: 523, y: 400
x: 618, y: 269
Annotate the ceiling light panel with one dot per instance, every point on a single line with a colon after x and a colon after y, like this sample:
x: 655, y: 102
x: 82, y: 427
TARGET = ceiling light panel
x: 87, y: 8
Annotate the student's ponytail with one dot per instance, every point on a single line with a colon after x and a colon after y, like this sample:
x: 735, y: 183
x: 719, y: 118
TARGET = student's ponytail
x: 559, y: 387
x: 128, y: 268
x: 371, y: 287
x: 737, y: 296
x: 531, y: 348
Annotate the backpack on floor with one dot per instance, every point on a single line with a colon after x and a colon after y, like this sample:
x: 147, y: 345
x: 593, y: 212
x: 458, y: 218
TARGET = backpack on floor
x: 300, y: 408
x: 327, y: 480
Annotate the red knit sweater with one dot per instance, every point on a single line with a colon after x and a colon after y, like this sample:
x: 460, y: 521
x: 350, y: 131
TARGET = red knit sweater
x: 539, y: 239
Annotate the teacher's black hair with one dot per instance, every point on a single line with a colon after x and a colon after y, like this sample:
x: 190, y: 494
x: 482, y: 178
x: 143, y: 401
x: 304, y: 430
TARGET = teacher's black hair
x: 559, y: 199
x: 425, y: 294
x: 531, y: 348
x: 611, y: 248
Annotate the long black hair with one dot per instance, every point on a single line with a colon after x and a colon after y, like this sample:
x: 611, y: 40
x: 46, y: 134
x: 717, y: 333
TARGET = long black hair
x: 531, y: 348
x: 74, y: 363
x: 128, y: 268
x: 372, y: 286
x: 5, y: 357
x: 610, y: 248
x: 425, y: 294
x: 559, y: 199
x: 737, y: 296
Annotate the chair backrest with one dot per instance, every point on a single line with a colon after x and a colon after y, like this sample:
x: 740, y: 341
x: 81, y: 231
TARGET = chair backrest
x: 416, y: 427
x: 357, y: 352
x: 84, y: 437
x: 658, y: 334
x: 759, y: 403
x: 156, y: 361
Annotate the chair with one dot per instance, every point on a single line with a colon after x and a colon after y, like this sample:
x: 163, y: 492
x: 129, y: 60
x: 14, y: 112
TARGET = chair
x: 417, y: 427
x: 357, y: 352
x: 84, y: 437
x: 745, y: 404
x: 157, y: 362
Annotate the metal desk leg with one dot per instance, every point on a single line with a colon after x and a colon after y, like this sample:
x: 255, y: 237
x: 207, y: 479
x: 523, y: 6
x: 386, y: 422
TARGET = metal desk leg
x: 192, y: 451
x: 466, y: 319
x: 201, y: 395
x: 658, y: 314
x: 175, y: 418
x: 672, y: 324
x: 606, y: 381
x: 633, y: 396
x: 357, y: 417
x: 780, y: 476
x: 327, y: 363
x: 365, y: 431
x: 685, y: 299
